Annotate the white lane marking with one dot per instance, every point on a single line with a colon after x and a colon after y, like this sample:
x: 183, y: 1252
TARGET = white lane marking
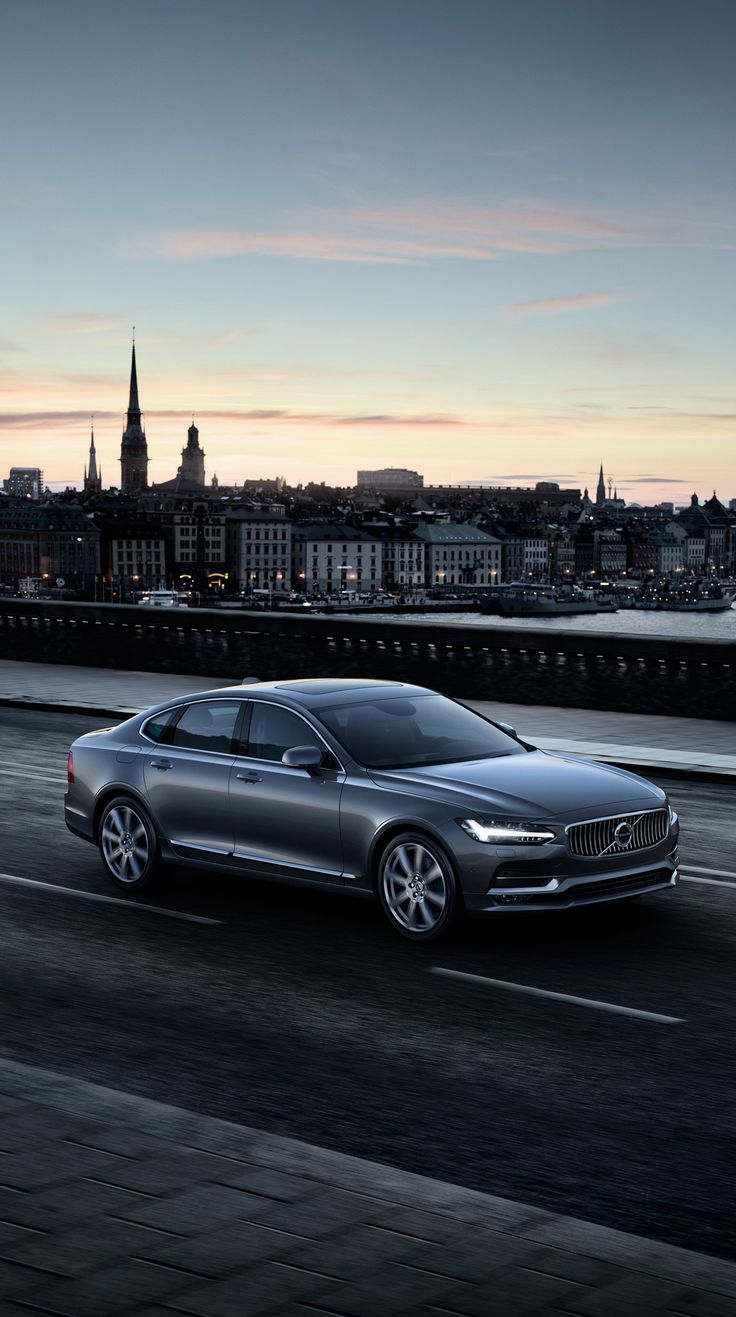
x: 556, y: 996
x: 36, y: 775
x: 712, y: 882
x: 107, y: 900
x: 715, y: 873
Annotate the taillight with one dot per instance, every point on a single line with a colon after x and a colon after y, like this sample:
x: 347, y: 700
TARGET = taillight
x: 70, y: 768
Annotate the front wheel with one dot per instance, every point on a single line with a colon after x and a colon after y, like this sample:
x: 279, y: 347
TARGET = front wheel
x: 128, y: 845
x: 417, y: 888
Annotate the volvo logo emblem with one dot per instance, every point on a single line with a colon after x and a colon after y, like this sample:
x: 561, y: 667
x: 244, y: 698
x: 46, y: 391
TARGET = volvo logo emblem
x: 623, y: 835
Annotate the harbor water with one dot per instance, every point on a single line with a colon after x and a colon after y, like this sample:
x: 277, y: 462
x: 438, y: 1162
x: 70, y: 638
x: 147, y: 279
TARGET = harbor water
x: 632, y: 621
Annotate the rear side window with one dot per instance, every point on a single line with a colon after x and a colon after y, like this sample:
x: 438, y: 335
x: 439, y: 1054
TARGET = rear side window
x: 209, y: 725
x: 159, y: 728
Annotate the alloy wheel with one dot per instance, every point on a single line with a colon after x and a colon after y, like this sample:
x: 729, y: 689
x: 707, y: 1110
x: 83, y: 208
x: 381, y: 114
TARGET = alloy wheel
x: 125, y: 843
x: 415, y: 888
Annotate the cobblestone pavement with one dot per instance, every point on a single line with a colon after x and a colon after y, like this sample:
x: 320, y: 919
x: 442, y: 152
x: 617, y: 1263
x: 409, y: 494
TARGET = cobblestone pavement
x: 113, y: 1204
x: 639, y: 740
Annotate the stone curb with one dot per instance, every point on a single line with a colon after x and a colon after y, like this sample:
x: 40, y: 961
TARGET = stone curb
x: 370, y: 1180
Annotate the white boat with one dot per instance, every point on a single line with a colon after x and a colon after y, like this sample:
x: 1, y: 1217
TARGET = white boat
x: 164, y: 599
x: 547, y: 601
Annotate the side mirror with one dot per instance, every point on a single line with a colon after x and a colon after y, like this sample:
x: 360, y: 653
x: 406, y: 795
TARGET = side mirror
x: 303, y: 756
x: 508, y: 729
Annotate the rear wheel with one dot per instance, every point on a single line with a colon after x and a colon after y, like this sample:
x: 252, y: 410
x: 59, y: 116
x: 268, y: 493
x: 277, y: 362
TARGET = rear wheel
x: 128, y: 845
x: 417, y: 888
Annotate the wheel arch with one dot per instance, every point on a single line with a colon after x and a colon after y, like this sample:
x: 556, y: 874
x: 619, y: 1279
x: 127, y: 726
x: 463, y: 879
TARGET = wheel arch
x: 394, y: 828
x: 109, y: 793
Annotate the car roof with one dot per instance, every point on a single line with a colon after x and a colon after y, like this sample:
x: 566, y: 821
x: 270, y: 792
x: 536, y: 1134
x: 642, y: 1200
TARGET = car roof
x: 305, y: 693
x: 309, y: 692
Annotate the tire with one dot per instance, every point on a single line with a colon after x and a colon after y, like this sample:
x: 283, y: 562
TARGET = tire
x: 417, y: 888
x: 128, y: 845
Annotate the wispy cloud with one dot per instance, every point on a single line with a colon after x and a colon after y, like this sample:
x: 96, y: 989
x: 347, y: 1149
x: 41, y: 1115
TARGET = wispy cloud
x: 428, y: 229
x: 572, y: 302
x: 431, y: 228
x: 657, y: 480
x: 27, y: 420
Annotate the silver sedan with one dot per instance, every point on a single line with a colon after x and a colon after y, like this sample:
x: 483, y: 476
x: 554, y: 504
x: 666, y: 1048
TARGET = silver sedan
x: 377, y: 787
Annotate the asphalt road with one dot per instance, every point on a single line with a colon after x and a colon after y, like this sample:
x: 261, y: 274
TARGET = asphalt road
x: 299, y: 1013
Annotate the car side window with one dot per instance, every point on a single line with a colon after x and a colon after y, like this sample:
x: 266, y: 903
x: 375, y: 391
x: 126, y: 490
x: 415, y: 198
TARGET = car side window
x: 159, y: 728
x: 207, y: 725
x: 274, y: 730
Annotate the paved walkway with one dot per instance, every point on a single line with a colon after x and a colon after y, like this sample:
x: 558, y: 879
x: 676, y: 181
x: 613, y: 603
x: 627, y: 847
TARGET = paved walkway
x: 113, y: 1204
x: 689, y: 745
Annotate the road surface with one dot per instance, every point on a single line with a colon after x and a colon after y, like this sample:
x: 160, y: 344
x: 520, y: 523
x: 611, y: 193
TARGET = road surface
x: 300, y: 1013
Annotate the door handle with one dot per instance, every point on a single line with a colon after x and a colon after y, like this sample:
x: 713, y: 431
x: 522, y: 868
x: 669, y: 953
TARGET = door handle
x: 249, y: 776
x: 161, y: 763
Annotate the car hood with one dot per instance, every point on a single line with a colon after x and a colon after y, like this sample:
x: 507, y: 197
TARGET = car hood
x: 533, y: 785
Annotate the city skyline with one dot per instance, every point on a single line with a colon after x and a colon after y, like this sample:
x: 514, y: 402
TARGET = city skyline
x: 486, y: 246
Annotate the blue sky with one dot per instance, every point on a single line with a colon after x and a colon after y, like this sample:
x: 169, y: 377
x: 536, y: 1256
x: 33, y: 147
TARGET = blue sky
x: 485, y: 241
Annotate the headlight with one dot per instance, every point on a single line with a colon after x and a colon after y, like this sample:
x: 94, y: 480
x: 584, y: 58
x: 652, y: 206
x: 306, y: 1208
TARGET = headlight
x: 674, y: 820
x: 507, y: 832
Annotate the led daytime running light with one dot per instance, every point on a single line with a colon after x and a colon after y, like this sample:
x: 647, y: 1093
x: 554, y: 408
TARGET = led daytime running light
x: 509, y: 834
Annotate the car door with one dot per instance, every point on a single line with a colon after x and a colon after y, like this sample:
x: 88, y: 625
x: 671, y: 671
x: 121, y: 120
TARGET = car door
x: 286, y: 819
x: 187, y: 776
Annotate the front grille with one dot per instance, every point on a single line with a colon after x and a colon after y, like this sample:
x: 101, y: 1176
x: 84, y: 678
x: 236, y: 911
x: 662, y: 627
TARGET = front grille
x: 620, y: 835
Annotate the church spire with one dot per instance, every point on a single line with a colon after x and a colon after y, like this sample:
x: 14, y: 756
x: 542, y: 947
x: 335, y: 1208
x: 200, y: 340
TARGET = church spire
x: 92, y: 473
x: 134, y: 410
x: 600, y: 493
x: 92, y: 478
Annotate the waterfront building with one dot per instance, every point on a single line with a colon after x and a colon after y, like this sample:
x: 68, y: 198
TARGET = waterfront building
x: 562, y: 555
x: 328, y: 557
x: 260, y: 548
x: 610, y: 555
x: 137, y: 558
x: 24, y: 482
x: 48, y: 542
x: 458, y: 553
x: 403, y: 559
x: 536, y: 556
x: 200, y: 547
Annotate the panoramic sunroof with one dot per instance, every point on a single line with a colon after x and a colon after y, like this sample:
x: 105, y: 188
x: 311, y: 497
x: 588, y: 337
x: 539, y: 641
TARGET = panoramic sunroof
x: 325, y: 686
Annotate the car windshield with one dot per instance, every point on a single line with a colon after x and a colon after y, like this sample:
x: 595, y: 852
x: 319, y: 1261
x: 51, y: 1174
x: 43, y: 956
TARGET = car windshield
x: 416, y: 732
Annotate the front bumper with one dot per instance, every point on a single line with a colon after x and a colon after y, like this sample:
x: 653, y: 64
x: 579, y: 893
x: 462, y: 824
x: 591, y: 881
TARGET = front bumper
x: 586, y: 889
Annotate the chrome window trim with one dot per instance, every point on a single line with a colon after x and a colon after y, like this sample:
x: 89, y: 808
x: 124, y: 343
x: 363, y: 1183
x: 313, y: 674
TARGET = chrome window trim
x: 186, y: 704
x: 150, y: 718
x: 273, y: 704
x: 622, y: 814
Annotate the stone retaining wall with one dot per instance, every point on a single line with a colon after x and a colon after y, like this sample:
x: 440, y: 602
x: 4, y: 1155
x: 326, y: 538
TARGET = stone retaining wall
x: 625, y: 672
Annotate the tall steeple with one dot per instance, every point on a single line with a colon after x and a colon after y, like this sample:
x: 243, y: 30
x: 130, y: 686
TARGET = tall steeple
x: 134, y: 411
x: 92, y: 474
x: 134, y: 448
x: 600, y: 493
x: 92, y: 480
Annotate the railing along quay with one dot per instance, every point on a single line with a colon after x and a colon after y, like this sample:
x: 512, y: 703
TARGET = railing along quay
x: 630, y: 673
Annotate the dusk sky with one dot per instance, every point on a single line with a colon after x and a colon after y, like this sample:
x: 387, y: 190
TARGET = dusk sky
x: 488, y: 241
